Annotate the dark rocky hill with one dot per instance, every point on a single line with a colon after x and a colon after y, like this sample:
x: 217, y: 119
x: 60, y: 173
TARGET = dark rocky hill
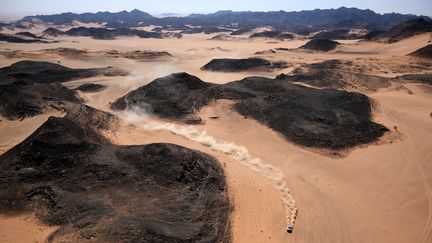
x: 336, y: 74
x: 18, y: 39
x: 240, y: 65
x: 104, y: 33
x: 20, y: 100
x: 425, y: 78
x: 52, y: 32
x: 29, y: 88
x: 372, y: 34
x: 28, y: 34
x: 405, y: 30
x: 320, y: 45
x: 311, y: 19
x: 46, y: 72
x: 273, y: 34
x: 424, y: 52
x: 67, y: 174
x: 319, y: 118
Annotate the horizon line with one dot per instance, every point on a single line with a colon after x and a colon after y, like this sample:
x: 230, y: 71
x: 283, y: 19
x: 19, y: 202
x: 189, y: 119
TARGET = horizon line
x: 22, y: 14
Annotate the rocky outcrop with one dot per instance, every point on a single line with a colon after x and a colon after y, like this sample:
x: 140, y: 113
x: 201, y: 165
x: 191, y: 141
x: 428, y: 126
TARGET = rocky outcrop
x: 46, y: 72
x: 67, y: 174
x: 405, y: 30
x: 424, y: 52
x: 240, y: 65
x: 319, y: 118
x: 320, y: 45
x: 29, y: 88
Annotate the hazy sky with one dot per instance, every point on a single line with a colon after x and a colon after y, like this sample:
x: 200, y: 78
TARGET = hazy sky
x: 19, y: 8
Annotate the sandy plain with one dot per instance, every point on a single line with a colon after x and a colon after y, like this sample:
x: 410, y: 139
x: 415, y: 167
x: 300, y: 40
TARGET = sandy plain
x: 380, y: 192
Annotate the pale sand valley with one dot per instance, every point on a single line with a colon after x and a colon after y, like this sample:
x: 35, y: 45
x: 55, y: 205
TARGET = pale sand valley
x: 310, y: 126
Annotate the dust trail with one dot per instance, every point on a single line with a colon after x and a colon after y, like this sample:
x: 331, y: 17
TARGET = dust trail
x: 140, y: 117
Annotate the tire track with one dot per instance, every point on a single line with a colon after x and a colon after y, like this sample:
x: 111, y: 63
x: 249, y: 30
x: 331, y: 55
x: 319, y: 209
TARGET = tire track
x: 142, y: 119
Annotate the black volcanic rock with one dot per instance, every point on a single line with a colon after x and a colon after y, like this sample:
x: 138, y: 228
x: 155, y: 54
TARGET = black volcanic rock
x: 319, y: 118
x: 29, y: 88
x: 371, y: 35
x: 20, y: 100
x: 28, y: 34
x: 16, y: 39
x: 108, y: 34
x: 174, y: 96
x: 105, y: 33
x: 239, y: 65
x: 69, y: 175
x: 50, y: 31
x: 424, y: 52
x: 205, y: 30
x: 273, y: 34
x: 140, y: 55
x: 46, y: 72
x: 425, y: 78
x: 90, y: 88
x: 311, y: 117
x: 332, y: 74
x: 320, y: 45
x: 405, y: 30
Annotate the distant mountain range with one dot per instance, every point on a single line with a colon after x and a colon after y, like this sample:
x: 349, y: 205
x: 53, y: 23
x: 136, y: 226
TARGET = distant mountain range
x: 308, y: 20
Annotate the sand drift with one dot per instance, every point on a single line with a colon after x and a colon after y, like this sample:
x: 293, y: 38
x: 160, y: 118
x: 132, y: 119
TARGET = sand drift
x: 141, y: 118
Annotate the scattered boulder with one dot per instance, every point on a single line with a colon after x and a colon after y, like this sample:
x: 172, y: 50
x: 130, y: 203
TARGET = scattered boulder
x: 240, y: 65
x: 320, y: 45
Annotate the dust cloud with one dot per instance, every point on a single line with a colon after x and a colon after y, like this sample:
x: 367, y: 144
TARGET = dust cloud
x: 141, y: 117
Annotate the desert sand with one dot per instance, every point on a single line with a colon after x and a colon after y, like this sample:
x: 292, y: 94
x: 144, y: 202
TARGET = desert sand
x: 23, y: 228
x: 380, y: 192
